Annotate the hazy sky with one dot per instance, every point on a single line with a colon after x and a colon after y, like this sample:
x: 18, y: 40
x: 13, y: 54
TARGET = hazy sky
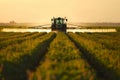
x: 74, y: 10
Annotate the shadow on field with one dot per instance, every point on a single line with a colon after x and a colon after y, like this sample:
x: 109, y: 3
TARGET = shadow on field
x: 12, y: 71
x: 22, y: 68
x: 102, y: 71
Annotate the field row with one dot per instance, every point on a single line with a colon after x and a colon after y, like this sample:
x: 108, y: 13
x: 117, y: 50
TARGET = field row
x: 18, y: 58
x: 13, y: 35
x: 104, y: 59
x: 108, y: 40
x: 19, y: 39
x: 64, y: 61
x: 59, y: 56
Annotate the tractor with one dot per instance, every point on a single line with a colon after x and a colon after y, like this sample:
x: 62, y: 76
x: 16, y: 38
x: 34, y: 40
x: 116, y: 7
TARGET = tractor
x: 59, y: 24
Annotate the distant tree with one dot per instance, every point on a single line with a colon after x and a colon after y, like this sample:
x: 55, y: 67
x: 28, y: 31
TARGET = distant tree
x: 12, y: 22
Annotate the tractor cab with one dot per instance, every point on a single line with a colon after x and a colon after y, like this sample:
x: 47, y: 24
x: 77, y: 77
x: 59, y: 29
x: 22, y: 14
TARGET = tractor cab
x: 59, y: 24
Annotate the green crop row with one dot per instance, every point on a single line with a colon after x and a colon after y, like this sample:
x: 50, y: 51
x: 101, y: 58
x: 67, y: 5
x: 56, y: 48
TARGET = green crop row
x: 18, y: 59
x: 13, y: 41
x: 14, y: 36
x: 109, y: 40
x: 41, y: 56
x: 63, y: 61
x: 7, y: 34
x: 103, y: 59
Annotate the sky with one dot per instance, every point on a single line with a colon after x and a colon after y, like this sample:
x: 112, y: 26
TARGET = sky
x: 75, y: 10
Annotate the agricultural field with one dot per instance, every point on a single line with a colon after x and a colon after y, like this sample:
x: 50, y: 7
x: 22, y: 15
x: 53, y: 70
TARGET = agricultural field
x: 59, y: 56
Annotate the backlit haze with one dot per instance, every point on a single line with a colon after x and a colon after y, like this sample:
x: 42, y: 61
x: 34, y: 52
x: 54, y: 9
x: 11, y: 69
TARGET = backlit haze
x: 75, y: 10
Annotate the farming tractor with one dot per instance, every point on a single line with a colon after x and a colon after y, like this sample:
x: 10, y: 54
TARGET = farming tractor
x: 59, y: 24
